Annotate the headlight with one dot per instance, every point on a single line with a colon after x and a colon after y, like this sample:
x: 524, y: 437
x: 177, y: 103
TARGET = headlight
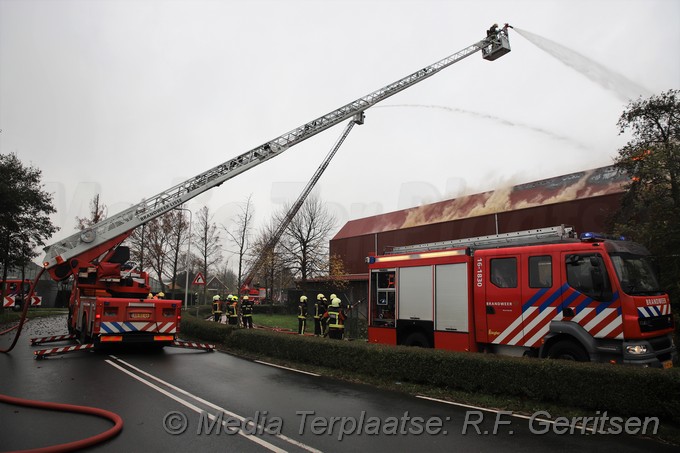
x: 636, y: 349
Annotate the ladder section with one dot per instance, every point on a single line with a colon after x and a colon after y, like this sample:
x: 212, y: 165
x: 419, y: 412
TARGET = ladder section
x: 123, y: 223
x: 517, y: 238
x: 290, y: 215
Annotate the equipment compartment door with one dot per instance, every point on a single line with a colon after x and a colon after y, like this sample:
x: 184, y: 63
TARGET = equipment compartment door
x: 503, y: 300
x: 415, y: 293
x: 451, y: 297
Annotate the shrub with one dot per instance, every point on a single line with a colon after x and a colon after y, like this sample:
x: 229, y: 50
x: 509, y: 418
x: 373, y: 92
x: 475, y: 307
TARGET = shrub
x: 626, y: 390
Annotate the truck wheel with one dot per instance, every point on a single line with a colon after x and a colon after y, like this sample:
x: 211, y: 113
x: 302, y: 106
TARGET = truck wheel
x: 417, y: 339
x: 568, y: 350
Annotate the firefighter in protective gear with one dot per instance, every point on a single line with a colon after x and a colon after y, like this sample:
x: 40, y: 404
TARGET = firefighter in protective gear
x: 324, y: 320
x: 302, y: 315
x: 247, y: 312
x: 492, y: 31
x: 336, y: 320
x: 232, y: 311
x: 217, y: 308
x: 319, y: 310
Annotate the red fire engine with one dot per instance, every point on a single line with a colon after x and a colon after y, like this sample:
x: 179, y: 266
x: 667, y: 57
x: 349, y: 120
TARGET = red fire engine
x: 538, y: 293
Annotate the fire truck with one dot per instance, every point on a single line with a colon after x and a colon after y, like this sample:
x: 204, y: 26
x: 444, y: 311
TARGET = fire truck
x: 108, y: 301
x: 537, y: 293
x: 15, y: 290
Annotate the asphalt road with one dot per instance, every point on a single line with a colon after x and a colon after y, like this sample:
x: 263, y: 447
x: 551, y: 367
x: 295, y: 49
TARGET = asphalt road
x: 185, y: 400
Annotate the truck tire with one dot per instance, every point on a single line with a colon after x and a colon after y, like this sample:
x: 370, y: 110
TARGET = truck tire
x: 568, y: 350
x: 417, y: 339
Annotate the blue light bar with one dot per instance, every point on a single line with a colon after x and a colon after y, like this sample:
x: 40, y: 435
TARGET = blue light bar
x: 591, y: 236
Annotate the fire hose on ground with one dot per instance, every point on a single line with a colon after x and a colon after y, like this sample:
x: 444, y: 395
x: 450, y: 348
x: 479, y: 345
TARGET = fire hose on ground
x: 70, y: 446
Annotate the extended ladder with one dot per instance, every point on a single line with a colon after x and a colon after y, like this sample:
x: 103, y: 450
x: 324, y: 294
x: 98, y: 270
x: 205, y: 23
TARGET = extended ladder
x: 516, y: 238
x: 290, y: 215
x: 111, y: 231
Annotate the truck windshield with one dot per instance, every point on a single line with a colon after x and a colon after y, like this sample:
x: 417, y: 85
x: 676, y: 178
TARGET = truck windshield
x: 636, y: 274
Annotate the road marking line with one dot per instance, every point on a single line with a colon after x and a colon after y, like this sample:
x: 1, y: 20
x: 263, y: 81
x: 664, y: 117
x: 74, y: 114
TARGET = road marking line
x: 512, y: 414
x: 286, y: 368
x: 192, y: 407
x: 207, y: 403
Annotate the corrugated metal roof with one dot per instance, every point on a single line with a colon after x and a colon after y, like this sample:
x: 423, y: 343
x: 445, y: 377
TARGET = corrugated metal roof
x: 584, y: 184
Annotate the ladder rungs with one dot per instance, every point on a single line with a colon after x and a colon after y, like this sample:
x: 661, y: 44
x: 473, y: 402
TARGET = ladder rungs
x: 538, y: 235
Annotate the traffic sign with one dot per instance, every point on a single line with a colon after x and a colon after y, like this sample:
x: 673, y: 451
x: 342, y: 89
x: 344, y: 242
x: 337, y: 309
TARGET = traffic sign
x: 199, y: 280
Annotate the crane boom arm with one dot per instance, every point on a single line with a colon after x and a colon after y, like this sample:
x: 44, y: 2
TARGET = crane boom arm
x: 290, y: 215
x: 79, y: 246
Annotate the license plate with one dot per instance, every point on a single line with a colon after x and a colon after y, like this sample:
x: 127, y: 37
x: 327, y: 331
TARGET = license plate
x: 140, y: 315
x: 668, y: 364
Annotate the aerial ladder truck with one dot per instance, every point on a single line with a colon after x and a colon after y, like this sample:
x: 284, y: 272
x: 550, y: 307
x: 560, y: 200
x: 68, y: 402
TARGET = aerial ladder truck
x: 108, y: 301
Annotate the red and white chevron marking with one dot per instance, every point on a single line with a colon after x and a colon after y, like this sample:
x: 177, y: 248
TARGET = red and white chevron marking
x: 52, y: 339
x: 9, y: 301
x: 66, y: 349
x: 125, y: 327
x: 192, y: 345
x: 532, y: 326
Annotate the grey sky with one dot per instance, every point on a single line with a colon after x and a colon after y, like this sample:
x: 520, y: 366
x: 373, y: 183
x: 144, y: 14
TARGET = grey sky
x: 128, y: 98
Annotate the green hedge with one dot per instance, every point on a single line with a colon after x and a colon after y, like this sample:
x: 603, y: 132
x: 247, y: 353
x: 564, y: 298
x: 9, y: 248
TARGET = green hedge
x: 625, y: 390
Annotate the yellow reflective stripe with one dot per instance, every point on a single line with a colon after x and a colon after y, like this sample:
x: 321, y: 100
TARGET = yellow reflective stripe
x: 337, y: 319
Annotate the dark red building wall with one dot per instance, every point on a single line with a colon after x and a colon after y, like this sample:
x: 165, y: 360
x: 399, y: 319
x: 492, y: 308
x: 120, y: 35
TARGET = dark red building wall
x: 589, y: 214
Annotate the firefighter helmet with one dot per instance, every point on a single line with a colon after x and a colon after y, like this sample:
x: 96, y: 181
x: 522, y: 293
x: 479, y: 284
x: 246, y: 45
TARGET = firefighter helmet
x: 160, y: 295
x: 303, y: 298
x: 245, y: 297
x: 335, y: 303
x: 333, y: 296
x: 216, y: 297
x: 320, y: 296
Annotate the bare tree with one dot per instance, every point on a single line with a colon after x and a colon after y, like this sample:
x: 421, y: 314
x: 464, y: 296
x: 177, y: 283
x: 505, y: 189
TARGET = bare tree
x: 271, y: 260
x: 240, y: 236
x: 158, y: 232
x: 137, y: 245
x: 179, y: 235
x: 306, y: 240
x: 207, y: 241
x: 228, y: 277
x: 97, y: 214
